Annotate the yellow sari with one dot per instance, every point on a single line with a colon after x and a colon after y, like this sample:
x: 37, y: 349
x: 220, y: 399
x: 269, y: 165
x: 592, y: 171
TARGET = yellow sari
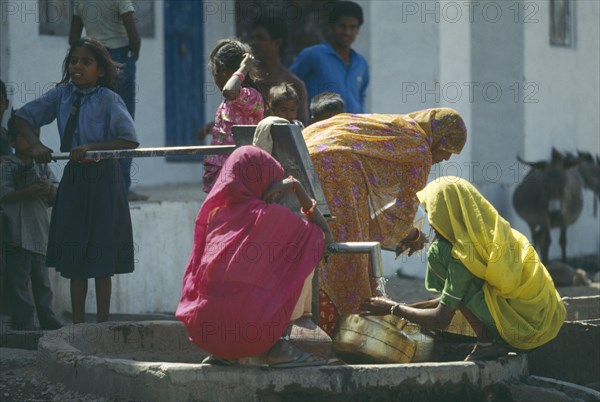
x: 518, y: 289
x: 370, y: 167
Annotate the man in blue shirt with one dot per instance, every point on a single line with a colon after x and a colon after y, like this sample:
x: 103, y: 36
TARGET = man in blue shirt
x: 334, y: 66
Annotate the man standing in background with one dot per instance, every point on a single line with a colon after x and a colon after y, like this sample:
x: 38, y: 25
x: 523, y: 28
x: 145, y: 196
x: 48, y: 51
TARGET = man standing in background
x: 334, y: 66
x: 267, y: 41
x: 112, y: 22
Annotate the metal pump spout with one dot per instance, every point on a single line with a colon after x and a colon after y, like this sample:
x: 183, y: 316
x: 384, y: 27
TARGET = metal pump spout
x: 373, y: 248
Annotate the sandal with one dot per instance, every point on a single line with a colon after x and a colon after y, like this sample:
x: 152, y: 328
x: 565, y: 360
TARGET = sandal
x: 210, y: 359
x: 487, y: 351
x: 294, y: 357
x: 306, y: 359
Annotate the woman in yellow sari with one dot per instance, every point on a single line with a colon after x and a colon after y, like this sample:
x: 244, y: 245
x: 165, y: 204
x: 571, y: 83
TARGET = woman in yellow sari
x: 484, y: 268
x: 370, y: 167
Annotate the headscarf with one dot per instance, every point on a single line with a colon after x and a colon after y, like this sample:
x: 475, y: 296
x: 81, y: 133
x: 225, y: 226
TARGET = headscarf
x: 444, y: 126
x: 518, y: 289
x: 249, y: 261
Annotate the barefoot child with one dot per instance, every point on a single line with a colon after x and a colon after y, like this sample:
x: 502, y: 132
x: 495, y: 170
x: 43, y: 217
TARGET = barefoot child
x: 27, y: 189
x: 90, y: 229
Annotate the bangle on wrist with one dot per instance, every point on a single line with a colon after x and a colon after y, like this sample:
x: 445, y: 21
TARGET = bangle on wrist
x: 240, y: 75
x: 395, y: 307
x: 311, y: 209
x: 415, y: 239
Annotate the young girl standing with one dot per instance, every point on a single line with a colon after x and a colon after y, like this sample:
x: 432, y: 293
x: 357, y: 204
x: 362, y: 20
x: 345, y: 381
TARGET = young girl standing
x: 230, y: 62
x: 90, y: 229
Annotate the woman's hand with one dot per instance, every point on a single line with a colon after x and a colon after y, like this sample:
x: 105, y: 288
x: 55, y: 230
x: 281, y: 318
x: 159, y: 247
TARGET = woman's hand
x: 279, y: 189
x: 377, y: 306
x: 413, y: 242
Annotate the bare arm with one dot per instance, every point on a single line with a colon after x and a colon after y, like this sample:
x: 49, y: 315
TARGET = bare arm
x: 75, y: 30
x: 135, y: 41
x: 232, y: 87
x: 39, y: 152
x: 290, y: 184
x: 438, y: 317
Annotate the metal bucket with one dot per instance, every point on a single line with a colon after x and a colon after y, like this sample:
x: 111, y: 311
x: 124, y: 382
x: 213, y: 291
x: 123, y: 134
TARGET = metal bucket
x: 386, y: 339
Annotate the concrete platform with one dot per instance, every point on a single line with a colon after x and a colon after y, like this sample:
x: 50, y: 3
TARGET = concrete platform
x: 154, y: 361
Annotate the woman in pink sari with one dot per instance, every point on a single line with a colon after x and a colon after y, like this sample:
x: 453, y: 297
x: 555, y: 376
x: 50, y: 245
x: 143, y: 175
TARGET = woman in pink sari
x: 249, y: 273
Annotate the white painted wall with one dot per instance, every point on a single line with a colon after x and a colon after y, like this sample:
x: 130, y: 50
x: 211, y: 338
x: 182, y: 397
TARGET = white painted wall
x: 567, y: 115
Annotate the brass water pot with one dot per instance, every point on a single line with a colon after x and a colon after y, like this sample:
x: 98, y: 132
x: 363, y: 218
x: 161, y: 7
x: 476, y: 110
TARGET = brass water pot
x: 380, y: 339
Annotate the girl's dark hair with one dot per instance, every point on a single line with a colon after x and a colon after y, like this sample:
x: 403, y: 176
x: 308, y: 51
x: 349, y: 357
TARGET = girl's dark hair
x: 281, y: 93
x: 3, y: 93
x: 229, y: 53
x: 102, y: 57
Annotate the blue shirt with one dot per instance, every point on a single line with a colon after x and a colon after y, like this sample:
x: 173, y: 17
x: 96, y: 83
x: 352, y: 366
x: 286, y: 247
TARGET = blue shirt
x: 323, y: 70
x: 102, y: 115
x: 26, y: 222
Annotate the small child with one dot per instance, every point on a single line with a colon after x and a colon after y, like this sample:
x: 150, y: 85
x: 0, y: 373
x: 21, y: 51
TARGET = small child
x: 243, y: 104
x: 284, y: 102
x: 326, y: 105
x: 90, y: 229
x: 27, y: 190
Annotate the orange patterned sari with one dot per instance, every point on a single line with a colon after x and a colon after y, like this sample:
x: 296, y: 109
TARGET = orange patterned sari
x: 370, y: 167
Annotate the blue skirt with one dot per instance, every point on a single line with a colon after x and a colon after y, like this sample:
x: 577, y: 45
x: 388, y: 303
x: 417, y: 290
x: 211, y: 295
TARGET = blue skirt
x: 90, y: 229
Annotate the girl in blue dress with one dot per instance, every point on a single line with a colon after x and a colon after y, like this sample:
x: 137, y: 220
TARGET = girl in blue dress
x: 90, y: 229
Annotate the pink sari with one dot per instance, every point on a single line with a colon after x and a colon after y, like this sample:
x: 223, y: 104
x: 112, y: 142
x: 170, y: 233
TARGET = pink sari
x: 249, y: 261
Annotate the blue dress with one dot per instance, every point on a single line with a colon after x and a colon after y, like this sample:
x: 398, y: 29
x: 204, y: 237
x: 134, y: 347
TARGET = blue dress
x: 90, y: 229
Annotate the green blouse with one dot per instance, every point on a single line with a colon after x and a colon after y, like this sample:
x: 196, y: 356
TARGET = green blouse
x: 455, y: 283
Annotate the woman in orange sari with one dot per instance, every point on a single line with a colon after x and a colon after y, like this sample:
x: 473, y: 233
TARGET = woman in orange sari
x: 370, y: 167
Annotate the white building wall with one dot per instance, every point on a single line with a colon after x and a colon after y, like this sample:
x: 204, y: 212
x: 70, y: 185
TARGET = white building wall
x: 567, y: 115
x: 404, y: 63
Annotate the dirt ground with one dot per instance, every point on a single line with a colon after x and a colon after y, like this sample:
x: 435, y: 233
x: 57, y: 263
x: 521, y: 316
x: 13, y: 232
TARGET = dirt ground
x: 21, y: 380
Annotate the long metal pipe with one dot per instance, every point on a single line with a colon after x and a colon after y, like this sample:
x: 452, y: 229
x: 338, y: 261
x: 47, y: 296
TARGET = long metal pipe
x: 152, y: 152
x: 373, y: 248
